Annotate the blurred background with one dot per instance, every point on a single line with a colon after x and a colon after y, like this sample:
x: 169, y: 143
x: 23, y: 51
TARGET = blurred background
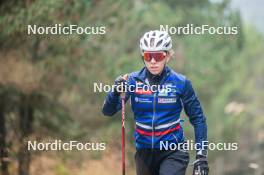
x: 46, y: 81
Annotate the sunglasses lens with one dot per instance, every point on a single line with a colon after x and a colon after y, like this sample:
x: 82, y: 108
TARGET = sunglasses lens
x: 147, y: 56
x: 158, y: 56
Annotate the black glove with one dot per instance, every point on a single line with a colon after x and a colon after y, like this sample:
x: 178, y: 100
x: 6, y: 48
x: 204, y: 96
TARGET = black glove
x: 120, y: 85
x: 200, y: 166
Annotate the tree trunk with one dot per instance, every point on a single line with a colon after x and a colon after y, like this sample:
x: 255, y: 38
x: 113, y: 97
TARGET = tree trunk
x: 26, y: 120
x: 3, y: 146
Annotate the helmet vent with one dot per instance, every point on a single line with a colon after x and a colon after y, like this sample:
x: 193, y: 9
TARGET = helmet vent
x: 152, y: 42
x: 167, y: 44
x: 159, y: 43
x: 145, y: 42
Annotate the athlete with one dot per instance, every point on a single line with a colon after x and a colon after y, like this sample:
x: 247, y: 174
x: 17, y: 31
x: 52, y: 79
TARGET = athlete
x: 158, y: 94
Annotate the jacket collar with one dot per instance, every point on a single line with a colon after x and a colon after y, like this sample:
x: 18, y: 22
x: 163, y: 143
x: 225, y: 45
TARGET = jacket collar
x: 142, y: 74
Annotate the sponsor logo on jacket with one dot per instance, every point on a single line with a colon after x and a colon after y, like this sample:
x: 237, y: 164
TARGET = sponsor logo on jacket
x: 167, y: 100
x: 142, y: 100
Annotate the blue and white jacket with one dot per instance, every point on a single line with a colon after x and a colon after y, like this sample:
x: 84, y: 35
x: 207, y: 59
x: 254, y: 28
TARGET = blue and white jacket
x: 157, y: 113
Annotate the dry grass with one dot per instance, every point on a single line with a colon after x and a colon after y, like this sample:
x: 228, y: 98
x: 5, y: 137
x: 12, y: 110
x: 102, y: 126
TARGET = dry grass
x: 109, y: 164
x: 19, y: 73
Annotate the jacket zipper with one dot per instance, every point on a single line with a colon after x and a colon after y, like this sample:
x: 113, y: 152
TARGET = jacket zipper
x: 154, y: 113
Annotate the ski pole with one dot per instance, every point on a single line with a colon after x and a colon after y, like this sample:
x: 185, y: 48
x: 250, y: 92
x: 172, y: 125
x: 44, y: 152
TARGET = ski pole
x: 123, y: 133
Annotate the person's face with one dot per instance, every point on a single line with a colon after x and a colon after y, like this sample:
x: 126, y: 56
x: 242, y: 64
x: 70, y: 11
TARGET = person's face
x: 155, y: 61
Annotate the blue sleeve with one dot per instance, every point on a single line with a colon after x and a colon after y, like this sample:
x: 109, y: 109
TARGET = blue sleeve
x: 195, y: 113
x: 112, y: 104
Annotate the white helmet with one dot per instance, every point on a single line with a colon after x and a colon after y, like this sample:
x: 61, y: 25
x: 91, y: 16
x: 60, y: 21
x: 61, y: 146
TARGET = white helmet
x: 155, y: 41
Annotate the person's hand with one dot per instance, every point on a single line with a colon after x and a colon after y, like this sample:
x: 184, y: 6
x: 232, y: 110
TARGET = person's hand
x: 120, y: 85
x: 200, y: 166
